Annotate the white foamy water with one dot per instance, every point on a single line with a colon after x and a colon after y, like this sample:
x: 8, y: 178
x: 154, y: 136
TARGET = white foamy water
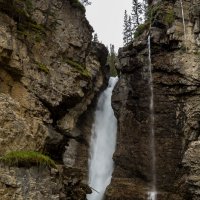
x: 152, y: 194
x: 103, y: 142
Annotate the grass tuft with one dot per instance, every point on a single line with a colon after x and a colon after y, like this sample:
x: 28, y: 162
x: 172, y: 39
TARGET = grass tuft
x: 27, y: 159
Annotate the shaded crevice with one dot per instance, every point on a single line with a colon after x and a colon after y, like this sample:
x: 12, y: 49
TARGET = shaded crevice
x: 58, y: 112
x: 55, y: 144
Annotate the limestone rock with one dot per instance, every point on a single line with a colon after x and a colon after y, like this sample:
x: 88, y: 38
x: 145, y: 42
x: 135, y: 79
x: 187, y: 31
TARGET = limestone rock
x: 16, y: 132
x: 37, y: 183
x: 49, y: 69
x: 50, y: 73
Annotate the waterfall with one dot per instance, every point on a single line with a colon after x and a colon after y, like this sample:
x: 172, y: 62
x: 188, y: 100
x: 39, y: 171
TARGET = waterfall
x: 152, y: 194
x: 183, y: 18
x: 103, y: 143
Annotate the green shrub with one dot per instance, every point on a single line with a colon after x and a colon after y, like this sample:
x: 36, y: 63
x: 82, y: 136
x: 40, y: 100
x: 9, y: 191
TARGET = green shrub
x: 27, y: 159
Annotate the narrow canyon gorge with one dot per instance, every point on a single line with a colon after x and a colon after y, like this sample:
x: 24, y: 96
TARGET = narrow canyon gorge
x: 56, y: 98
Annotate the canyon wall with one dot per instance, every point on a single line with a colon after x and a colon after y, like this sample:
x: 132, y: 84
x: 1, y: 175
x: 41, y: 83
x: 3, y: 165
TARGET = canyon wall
x: 50, y: 74
x: 176, y: 79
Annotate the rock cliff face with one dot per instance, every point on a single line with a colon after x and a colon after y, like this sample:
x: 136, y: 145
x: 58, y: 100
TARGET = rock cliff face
x: 50, y: 73
x: 42, y: 183
x: 176, y: 79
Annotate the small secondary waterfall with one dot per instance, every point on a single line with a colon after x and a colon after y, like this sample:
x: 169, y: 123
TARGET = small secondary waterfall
x: 183, y: 18
x: 152, y: 194
x: 103, y: 142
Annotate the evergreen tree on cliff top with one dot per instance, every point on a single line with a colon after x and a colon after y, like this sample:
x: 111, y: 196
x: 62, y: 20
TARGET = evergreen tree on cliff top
x: 85, y: 2
x: 95, y: 38
x: 112, y: 60
x: 128, y: 30
x: 132, y: 22
x: 125, y: 30
x: 137, y: 13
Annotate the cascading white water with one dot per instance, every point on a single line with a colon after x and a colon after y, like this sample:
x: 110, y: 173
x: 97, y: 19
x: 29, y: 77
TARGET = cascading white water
x: 183, y: 18
x: 103, y: 142
x: 152, y: 194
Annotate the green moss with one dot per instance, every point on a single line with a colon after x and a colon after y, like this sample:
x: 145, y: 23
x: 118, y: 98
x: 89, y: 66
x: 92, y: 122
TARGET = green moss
x: 80, y: 68
x: 169, y: 17
x: 42, y: 67
x: 27, y: 159
x: 31, y: 27
x: 162, y: 12
x: 77, y: 4
x: 36, y: 27
x: 21, y: 11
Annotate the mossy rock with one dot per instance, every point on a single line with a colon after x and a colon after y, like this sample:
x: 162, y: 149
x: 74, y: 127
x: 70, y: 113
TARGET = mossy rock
x: 21, y: 12
x: 169, y: 17
x: 140, y: 29
x: 78, y: 67
x: 161, y: 12
x: 27, y: 159
x: 42, y: 67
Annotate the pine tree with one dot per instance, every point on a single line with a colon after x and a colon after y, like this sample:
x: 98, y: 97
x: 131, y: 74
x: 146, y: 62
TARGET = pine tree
x: 95, y: 38
x: 85, y: 2
x: 144, y: 7
x: 112, y: 60
x: 132, y: 22
x: 130, y: 30
x: 125, y: 30
x: 137, y: 13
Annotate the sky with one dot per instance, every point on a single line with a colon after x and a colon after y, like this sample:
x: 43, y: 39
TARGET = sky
x: 106, y: 17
